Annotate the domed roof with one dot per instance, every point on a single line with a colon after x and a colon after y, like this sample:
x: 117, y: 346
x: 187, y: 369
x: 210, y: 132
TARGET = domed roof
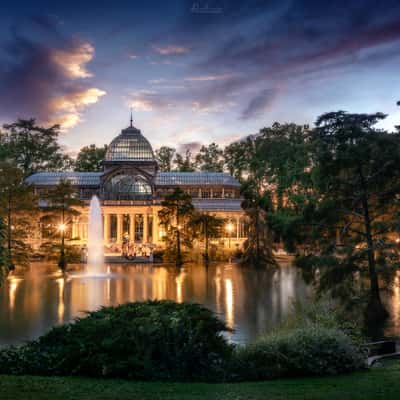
x: 130, y: 145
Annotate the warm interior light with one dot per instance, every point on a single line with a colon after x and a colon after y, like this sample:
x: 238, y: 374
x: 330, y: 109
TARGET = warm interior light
x: 229, y: 227
x: 62, y: 227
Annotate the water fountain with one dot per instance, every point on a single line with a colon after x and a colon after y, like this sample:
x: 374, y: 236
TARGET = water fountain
x: 95, y: 259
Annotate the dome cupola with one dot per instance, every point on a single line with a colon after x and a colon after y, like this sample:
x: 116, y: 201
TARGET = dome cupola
x: 130, y: 145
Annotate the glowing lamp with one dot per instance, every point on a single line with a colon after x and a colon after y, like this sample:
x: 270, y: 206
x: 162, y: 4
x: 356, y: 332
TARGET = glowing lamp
x: 62, y: 227
x: 229, y: 227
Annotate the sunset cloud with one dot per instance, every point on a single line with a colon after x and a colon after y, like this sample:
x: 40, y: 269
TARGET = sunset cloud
x: 73, y: 61
x: 48, y: 82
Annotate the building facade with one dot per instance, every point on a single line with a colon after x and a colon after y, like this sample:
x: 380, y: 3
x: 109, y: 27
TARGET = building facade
x: 131, y: 189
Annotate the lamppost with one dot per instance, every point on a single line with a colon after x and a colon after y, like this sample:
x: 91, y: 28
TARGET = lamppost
x: 229, y: 229
x: 62, y: 262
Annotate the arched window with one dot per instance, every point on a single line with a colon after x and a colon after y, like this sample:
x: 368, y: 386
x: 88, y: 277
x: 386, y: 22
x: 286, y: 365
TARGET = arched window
x: 127, y: 187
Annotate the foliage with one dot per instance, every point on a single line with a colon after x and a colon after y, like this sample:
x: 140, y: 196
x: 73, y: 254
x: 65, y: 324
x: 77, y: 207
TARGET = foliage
x: 151, y: 340
x: 90, y: 158
x: 325, y: 313
x: 17, y: 210
x: 185, y: 163
x: 164, y: 157
x: 210, y: 158
x: 50, y: 251
x: 205, y: 226
x: 355, y: 222
x: 176, y: 210
x: 62, y: 206
x: 4, y: 261
x: 273, y: 167
x: 314, y: 350
x: 33, y: 148
x: 246, y: 161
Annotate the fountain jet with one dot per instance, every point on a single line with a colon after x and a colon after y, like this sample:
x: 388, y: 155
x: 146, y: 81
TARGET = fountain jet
x: 95, y: 259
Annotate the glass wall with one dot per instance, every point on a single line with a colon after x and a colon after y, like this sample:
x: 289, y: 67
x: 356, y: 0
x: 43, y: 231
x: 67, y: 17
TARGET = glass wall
x: 150, y: 228
x: 125, y: 224
x: 139, y: 227
x: 113, y: 227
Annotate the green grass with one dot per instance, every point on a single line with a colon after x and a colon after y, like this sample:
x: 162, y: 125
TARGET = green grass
x: 379, y: 383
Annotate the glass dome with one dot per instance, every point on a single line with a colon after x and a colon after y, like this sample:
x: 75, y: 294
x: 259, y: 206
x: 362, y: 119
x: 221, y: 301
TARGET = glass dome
x: 130, y: 145
x: 127, y: 187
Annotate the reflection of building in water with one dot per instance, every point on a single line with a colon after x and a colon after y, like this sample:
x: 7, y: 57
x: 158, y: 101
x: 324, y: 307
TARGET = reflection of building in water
x: 131, y: 189
x: 229, y: 303
x: 393, y: 301
x: 179, y: 286
x: 12, y: 289
x: 61, y: 305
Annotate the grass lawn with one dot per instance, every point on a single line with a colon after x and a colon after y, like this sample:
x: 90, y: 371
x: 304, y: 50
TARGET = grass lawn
x: 379, y: 383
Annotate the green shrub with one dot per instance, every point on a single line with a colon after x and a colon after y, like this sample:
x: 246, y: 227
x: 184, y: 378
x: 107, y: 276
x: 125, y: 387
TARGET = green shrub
x: 151, y: 340
x: 314, y: 350
x: 324, y: 313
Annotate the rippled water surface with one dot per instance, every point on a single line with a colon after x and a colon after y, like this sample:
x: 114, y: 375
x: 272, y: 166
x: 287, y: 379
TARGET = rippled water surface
x: 250, y: 301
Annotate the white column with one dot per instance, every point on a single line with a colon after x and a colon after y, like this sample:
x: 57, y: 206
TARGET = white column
x: 106, y: 229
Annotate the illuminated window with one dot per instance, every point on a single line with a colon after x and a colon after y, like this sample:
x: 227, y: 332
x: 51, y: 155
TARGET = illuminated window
x: 127, y: 187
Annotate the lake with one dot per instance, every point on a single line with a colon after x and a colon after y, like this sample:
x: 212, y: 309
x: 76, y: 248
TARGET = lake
x: 251, y: 301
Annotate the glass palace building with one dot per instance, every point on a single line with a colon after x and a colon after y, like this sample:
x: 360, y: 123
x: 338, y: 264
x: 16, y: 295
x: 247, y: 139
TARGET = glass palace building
x: 131, y: 189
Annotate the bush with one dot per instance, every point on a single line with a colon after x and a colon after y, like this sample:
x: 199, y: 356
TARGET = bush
x: 151, y: 340
x: 324, y: 313
x: 314, y: 350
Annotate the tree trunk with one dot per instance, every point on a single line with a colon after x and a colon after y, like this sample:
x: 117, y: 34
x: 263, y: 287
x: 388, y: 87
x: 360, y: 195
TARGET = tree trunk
x: 257, y: 226
x: 206, y: 256
x: 62, y: 262
x: 375, y: 309
x: 178, y: 261
x: 11, y: 265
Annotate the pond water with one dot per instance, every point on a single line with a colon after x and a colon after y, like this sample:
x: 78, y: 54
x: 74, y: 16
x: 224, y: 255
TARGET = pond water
x: 250, y: 301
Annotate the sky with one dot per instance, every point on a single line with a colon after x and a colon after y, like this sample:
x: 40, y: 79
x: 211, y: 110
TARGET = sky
x: 195, y: 72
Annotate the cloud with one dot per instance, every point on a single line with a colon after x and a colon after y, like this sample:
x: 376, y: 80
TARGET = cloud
x: 171, y: 50
x: 47, y: 78
x: 74, y: 61
x: 208, y: 78
x: 148, y: 100
x: 193, y: 147
x: 258, y: 104
x: 275, y: 42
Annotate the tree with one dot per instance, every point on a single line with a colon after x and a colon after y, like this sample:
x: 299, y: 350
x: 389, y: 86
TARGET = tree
x: 206, y: 226
x: 90, y: 158
x: 258, y: 246
x: 210, y: 158
x: 17, y: 208
x: 33, y: 148
x: 286, y: 151
x: 4, y: 264
x: 186, y: 163
x: 356, y: 216
x: 174, y: 216
x: 62, y: 205
x: 164, y: 157
x: 246, y: 160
